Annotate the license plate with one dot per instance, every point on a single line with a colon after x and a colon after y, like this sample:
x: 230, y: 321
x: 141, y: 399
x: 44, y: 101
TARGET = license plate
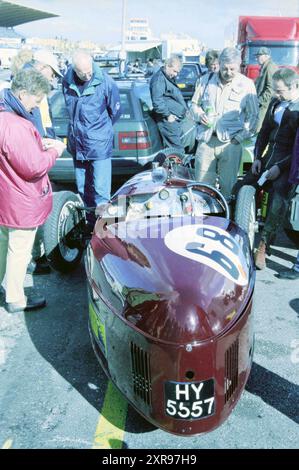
x: 189, y: 400
x: 181, y: 85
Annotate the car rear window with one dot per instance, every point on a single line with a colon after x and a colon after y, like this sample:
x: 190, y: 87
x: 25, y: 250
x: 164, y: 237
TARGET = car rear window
x: 126, y: 105
x: 142, y: 92
x: 58, y: 108
x: 59, y: 111
x: 188, y: 72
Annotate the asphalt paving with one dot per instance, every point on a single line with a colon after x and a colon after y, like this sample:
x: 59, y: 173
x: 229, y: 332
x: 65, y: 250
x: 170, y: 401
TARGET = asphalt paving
x: 54, y: 395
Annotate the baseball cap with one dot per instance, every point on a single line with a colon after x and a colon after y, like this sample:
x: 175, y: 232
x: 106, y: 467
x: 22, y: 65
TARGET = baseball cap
x: 47, y: 58
x: 263, y: 51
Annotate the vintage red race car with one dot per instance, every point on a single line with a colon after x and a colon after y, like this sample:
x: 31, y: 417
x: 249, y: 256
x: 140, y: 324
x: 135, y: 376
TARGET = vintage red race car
x: 170, y: 286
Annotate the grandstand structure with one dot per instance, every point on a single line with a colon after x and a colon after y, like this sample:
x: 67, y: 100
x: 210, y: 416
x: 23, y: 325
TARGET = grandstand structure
x: 11, y: 15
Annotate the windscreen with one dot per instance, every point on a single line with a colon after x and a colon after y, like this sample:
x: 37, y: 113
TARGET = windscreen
x: 281, y: 55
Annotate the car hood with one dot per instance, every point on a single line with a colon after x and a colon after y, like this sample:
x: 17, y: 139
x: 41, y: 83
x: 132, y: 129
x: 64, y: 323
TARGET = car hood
x: 176, y: 280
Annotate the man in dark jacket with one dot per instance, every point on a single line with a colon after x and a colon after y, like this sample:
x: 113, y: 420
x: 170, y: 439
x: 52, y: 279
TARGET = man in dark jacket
x: 263, y: 83
x: 168, y: 103
x: 93, y: 104
x: 273, y: 153
x: 294, y: 173
x: 293, y: 273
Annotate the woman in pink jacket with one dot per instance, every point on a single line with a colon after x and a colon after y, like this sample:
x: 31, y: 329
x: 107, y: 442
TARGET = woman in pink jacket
x: 25, y: 190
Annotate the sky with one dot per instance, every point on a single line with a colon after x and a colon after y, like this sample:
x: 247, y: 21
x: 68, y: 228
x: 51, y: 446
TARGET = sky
x: 210, y: 21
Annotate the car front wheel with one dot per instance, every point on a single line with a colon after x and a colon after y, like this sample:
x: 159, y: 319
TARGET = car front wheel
x: 62, y: 232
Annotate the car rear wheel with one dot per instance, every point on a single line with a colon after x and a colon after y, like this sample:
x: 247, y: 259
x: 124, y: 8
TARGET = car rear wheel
x: 245, y: 212
x: 63, y: 230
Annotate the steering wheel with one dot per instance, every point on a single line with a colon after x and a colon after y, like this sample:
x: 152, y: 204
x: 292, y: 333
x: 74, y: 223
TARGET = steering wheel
x: 173, y: 159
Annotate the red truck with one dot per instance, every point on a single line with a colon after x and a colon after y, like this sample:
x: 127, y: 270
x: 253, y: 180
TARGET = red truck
x: 279, y: 34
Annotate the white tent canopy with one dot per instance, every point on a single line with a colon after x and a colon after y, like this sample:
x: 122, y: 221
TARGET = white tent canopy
x: 138, y: 49
x: 137, y: 46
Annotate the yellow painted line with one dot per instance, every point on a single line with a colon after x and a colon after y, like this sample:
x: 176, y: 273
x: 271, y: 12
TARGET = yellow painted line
x: 7, y: 444
x: 111, y: 425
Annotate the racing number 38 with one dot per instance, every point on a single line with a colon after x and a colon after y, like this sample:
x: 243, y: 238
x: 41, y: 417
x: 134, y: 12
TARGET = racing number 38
x: 189, y: 400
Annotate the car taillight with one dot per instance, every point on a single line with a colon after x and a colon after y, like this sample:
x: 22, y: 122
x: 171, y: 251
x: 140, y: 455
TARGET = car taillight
x: 133, y: 140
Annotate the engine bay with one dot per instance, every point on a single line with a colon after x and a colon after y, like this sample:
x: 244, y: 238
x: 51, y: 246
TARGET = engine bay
x: 169, y: 201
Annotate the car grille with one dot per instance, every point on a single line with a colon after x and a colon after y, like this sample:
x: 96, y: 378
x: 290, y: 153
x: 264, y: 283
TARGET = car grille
x: 231, y: 370
x: 141, y: 373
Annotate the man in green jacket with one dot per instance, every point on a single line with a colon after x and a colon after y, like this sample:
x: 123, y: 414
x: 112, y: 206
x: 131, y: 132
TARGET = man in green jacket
x: 263, y: 83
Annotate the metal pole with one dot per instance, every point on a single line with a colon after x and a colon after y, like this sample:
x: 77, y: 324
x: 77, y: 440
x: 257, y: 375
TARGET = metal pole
x: 122, y: 53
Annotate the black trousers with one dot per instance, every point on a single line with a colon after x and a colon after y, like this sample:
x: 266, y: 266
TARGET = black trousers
x: 171, y: 134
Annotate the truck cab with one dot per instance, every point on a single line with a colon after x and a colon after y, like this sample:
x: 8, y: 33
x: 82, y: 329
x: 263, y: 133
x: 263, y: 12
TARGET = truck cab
x: 279, y: 34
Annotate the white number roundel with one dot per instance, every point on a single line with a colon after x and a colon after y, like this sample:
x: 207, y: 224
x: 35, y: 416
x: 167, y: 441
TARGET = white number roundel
x: 211, y: 246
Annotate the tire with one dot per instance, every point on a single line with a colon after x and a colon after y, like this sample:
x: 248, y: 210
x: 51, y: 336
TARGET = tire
x: 245, y: 212
x: 62, y: 253
x: 293, y: 235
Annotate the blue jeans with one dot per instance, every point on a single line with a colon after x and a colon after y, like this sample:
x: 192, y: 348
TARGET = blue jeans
x: 93, y: 178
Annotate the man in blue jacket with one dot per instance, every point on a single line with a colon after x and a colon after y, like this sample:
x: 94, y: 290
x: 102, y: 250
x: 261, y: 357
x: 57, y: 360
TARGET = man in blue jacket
x: 93, y: 104
x: 168, y: 103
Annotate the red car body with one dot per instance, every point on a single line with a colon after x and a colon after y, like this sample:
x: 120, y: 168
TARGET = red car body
x: 170, y: 286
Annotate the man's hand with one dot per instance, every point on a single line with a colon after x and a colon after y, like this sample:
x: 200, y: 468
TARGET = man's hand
x: 58, y: 145
x: 203, y: 119
x: 100, y: 209
x: 256, y: 167
x: 171, y: 118
x: 273, y: 173
x: 47, y: 142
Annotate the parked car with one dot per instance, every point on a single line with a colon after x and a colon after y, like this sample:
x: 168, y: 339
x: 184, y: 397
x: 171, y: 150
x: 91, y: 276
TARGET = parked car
x: 136, y: 136
x: 110, y: 65
x: 187, y: 78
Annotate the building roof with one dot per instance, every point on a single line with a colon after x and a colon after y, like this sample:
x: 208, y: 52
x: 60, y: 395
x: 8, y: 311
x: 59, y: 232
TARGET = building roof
x: 12, y: 14
x: 9, y: 33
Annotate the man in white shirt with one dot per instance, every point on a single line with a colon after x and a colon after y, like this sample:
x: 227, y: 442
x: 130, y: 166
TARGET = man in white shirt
x: 226, y: 106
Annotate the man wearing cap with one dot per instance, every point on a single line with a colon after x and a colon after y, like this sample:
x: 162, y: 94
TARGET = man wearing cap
x: 263, y: 83
x: 46, y: 63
